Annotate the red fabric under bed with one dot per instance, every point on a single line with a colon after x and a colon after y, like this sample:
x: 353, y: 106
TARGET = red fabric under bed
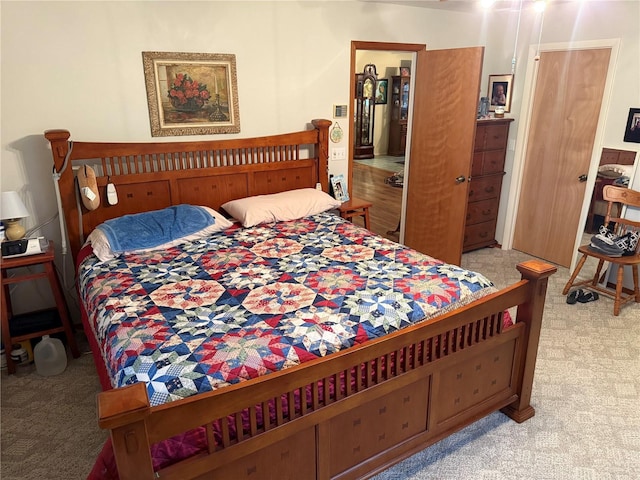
x: 179, y: 447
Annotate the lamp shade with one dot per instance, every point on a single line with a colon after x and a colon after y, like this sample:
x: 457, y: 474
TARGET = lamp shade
x: 12, y: 206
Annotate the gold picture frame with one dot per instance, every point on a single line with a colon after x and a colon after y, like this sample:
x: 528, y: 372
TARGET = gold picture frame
x: 191, y: 93
x: 499, y: 92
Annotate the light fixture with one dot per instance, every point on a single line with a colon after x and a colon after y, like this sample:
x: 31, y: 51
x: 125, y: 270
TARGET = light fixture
x: 539, y: 5
x: 12, y: 209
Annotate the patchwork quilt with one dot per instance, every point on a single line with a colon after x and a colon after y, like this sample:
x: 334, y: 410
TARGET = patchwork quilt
x: 250, y: 301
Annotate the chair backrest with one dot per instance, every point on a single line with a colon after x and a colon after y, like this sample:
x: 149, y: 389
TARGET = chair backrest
x: 625, y: 197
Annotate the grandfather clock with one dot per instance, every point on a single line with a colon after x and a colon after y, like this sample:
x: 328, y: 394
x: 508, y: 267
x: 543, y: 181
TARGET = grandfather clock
x: 364, y: 111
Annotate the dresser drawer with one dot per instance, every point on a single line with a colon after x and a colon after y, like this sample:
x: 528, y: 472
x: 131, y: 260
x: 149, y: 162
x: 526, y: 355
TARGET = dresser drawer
x: 482, y: 211
x: 487, y: 163
x: 493, y: 162
x: 479, y: 235
x: 484, y: 187
x: 491, y: 137
x: 476, y: 164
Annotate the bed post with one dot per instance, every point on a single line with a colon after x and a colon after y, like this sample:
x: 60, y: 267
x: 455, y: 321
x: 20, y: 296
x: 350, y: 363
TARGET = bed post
x: 323, y: 151
x: 530, y: 313
x: 59, y: 140
x: 123, y: 411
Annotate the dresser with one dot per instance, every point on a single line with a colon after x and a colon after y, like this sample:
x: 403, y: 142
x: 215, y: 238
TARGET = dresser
x: 487, y: 170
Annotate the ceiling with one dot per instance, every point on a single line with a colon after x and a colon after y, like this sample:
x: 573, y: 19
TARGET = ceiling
x: 462, y: 5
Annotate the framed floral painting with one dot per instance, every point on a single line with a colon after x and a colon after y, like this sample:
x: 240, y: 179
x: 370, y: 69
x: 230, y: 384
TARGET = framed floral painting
x: 191, y: 93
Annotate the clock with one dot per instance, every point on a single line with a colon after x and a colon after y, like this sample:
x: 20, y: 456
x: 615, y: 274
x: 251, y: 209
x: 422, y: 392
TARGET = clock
x: 364, y: 112
x: 26, y: 246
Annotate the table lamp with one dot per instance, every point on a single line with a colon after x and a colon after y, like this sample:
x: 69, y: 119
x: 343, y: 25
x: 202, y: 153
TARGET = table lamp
x: 11, y: 211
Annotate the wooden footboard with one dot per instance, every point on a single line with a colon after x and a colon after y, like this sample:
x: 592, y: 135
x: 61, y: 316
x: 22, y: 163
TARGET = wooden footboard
x: 355, y: 413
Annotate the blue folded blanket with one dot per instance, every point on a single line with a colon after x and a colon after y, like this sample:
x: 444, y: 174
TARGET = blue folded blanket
x: 150, y: 229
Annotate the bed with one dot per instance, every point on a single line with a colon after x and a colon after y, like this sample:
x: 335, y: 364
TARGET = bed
x: 340, y: 399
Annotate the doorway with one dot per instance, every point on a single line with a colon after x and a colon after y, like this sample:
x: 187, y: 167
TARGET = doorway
x: 561, y: 149
x: 440, y: 139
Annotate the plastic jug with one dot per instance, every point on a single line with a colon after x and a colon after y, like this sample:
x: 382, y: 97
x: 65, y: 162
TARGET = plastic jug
x: 50, y: 356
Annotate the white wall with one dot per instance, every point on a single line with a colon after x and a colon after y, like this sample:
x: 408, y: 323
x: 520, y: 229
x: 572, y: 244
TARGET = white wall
x: 78, y: 65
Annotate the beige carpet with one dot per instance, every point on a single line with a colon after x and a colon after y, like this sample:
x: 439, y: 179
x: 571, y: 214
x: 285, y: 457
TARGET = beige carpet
x: 586, y: 394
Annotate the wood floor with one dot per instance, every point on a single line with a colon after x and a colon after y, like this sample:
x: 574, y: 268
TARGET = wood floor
x: 384, y: 215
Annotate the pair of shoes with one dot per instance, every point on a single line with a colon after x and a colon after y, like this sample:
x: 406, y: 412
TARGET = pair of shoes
x: 572, y: 298
x: 613, y: 246
x: 588, y: 296
x: 582, y: 296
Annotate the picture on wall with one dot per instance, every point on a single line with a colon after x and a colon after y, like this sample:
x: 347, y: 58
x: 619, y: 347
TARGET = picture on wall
x: 499, y: 92
x: 632, y: 132
x: 191, y: 93
x: 382, y: 86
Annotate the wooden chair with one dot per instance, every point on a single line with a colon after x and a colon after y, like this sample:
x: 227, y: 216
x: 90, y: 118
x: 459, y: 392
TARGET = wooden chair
x: 625, y: 197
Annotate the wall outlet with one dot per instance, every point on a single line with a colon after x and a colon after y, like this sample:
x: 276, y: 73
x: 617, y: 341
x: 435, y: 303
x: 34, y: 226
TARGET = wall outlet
x: 339, y: 153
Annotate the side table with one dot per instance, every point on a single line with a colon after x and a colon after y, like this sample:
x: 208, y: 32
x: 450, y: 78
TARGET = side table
x: 356, y: 207
x: 48, y: 271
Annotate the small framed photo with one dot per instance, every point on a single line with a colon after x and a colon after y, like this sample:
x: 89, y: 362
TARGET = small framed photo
x: 405, y: 71
x: 499, y: 92
x: 339, y: 187
x: 382, y: 86
x: 632, y: 132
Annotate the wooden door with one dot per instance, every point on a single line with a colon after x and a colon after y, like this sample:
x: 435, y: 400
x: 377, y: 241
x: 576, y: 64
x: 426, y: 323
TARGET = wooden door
x: 442, y: 133
x: 566, y: 106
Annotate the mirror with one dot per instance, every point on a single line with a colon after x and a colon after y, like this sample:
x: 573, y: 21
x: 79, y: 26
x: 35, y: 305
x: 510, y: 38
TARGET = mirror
x: 615, y: 168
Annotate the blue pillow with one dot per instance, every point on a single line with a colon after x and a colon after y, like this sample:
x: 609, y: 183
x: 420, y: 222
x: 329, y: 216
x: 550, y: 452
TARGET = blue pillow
x: 150, y: 229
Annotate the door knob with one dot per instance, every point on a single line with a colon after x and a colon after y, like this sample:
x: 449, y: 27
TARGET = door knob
x: 460, y: 179
x: 583, y: 178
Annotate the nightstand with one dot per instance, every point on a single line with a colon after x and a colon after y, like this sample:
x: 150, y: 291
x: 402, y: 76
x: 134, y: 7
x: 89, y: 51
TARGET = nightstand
x: 12, y: 330
x: 356, y: 207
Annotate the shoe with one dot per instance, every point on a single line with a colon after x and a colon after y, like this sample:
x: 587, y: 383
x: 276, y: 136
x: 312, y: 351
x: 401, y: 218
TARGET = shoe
x: 588, y: 296
x: 573, y: 296
x: 605, y: 247
x: 628, y: 242
x: 605, y: 232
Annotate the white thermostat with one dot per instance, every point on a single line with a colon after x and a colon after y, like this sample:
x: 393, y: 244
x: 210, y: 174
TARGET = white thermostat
x: 339, y: 111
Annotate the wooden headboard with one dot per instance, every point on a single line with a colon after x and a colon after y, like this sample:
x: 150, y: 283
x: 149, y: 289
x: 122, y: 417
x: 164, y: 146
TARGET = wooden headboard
x: 150, y: 176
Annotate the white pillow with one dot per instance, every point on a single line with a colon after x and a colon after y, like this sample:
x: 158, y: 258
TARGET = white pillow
x: 102, y: 249
x: 283, y: 206
x: 613, y: 170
